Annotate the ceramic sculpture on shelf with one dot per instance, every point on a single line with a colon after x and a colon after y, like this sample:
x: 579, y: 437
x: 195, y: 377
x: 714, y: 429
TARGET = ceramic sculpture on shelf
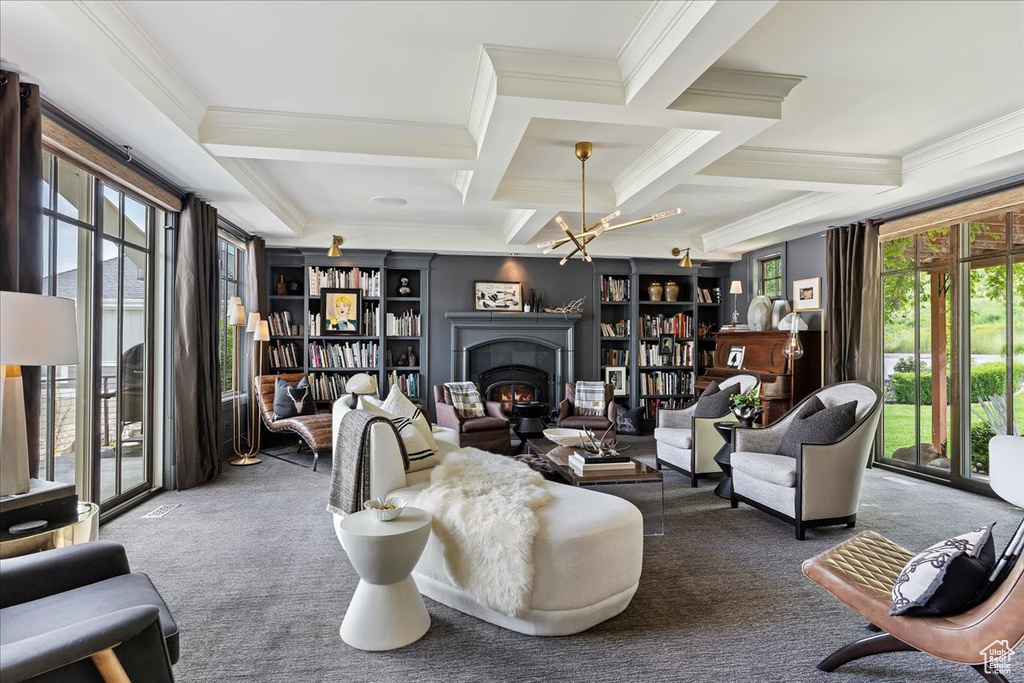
x: 780, y: 309
x: 787, y: 322
x: 654, y: 291
x: 759, y: 314
x: 671, y: 291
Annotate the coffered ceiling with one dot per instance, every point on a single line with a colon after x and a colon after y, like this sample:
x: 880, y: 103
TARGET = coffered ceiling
x: 761, y: 120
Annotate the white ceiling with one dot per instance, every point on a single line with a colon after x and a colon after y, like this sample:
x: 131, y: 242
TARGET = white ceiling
x: 761, y: 120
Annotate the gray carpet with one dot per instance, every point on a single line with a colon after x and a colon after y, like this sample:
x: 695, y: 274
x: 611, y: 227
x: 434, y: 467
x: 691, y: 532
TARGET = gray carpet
x: 252, y: 570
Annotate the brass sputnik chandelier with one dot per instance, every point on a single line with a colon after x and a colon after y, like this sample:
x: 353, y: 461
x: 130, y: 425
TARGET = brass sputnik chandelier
x: 588, y: 233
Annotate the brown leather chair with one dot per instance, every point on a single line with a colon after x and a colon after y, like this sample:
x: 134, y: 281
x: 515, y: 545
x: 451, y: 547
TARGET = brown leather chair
x: 313, y: 430
x: 488, y: 433
x: 598, y: 424
x: 861, y: 572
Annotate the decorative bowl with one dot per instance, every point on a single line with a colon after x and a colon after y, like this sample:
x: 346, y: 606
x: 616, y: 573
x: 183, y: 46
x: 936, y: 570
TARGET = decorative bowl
x: 385, y: 510
x: 573, y: 438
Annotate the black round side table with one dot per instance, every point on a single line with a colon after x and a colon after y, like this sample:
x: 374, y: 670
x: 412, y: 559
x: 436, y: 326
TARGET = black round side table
x: 724, y: 457
x: 531, y: 424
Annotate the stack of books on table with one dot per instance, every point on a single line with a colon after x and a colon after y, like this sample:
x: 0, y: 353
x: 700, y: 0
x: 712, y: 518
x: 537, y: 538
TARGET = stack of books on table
x: 592, y: 463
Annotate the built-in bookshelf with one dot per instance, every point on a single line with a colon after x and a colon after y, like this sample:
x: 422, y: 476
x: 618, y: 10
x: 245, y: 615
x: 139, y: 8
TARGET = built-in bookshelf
x: 662, y: 345
x: 387, y: 339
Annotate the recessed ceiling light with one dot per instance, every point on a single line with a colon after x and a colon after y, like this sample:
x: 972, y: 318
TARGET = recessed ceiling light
x: 389, y: 201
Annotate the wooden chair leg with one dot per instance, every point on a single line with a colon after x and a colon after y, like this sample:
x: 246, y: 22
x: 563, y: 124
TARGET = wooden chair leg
x: 992, y: 677
x: 109, y: 666
x: 865, y: 647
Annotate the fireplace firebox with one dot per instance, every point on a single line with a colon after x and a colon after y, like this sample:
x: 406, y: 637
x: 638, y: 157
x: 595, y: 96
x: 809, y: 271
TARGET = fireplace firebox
x: 511, y: 384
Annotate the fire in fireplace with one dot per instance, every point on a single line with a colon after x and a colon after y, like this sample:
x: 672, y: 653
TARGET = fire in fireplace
x: 511, y: 393
x: 510, y: 384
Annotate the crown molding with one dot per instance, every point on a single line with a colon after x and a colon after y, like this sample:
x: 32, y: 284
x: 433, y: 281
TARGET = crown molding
x: 980, y: 144
x: 738, y: 92
x: 803, y: 170
x: 257, y: 181
x: 664, y: 156
x: 109, y: 28
x: 797, y: 210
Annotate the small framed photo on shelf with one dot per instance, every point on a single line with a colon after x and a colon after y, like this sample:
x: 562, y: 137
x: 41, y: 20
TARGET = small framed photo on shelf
x: 666, y: 344
x: 341, y: 311
x: 735, y: 359
x: 807, y: 294
x: 617, y: 378
x: 489, y: 295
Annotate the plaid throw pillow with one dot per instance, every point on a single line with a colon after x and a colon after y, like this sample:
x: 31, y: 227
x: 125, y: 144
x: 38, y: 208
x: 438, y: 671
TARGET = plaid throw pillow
x: 466, y: 399
x: 589, y: 398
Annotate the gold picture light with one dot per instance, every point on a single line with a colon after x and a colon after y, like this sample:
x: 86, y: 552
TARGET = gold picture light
x: 685, y: 262
x: 589, y: 233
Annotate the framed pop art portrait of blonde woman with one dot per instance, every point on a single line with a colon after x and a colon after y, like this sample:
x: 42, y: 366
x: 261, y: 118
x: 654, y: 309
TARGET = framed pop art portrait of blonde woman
x: 341, y: 311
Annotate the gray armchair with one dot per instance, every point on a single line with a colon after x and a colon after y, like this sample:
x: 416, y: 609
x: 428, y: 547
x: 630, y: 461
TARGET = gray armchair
x: 822, y: 486
x: 689, y: 445
x: 79, y: 614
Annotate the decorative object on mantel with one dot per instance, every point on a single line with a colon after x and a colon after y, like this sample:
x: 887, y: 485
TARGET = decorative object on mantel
x: 747, y: 408
x: 686, y: 261
x: 491, y: 295
x: 807, y: 294
x: 759, y: 313
x: 588, y: 233
x: 654, y: 291
x: 403, y: 285
x: 574, y: 306
x: 786, y: 323
x: 780, y: 309
x: 334, y: 251
x: 282, y: 288
x: 671, y: 291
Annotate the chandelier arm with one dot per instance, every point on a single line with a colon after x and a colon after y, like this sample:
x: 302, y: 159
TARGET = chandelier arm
x: 575, y: 249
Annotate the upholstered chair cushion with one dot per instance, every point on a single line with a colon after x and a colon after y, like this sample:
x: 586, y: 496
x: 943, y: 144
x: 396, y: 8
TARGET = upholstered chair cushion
x: 290, y: 401
x: 816, y: 424
x: 674, y: 436
x: 774, y: 469
x: 421, y: 455
x: 715, y: 402
x: 947, y: 577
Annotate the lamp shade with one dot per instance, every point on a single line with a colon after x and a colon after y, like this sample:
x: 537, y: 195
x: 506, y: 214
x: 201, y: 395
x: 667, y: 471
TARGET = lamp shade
x: 262, y: 332
x: 254, y: 322
x: 37, y: 330
x: 236, y: 315
x: 361, y: 384
x: 736, y: 287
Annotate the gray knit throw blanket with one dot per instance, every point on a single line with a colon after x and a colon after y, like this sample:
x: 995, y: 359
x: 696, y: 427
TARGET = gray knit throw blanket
x: 350, y: 474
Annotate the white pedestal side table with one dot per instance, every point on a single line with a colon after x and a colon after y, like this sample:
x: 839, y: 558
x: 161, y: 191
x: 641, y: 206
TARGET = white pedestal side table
x: 386, y: 611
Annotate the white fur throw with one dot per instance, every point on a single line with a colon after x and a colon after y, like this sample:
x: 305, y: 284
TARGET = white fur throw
x: 484, y: 508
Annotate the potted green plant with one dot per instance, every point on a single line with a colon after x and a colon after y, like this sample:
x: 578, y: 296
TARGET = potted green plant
x: 747, y: 408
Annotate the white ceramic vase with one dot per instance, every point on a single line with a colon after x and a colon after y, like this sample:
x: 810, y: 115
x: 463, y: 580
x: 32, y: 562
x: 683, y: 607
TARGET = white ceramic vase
x: 759, y: 314
x: 780, y: 309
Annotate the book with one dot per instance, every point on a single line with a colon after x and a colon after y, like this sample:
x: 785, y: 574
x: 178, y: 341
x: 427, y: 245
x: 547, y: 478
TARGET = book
x: 586, y: 458
x: 610, y: 468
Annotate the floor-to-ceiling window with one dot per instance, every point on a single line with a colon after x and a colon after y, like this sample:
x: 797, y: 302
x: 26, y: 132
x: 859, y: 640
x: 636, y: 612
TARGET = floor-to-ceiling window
x: 230, y: 266
x: 953, y: 343
x: 98, y: 414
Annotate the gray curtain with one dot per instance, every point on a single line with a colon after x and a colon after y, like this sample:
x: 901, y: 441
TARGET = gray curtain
x: 852, y: 312
x: 256, y: 295
x: 21, y: 228
x: 197, y: 399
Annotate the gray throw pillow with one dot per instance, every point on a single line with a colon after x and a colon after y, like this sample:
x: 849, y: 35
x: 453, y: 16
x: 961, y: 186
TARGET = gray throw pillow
x: 715, y: 402
x: 816, y: 424
x: 628, y: 421
x: 291, y: 401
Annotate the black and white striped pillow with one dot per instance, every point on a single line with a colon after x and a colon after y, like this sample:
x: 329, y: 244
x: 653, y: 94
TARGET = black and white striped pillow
x: 421, y: 455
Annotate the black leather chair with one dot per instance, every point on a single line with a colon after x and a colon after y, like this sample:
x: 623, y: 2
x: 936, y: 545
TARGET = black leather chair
x: 80, y: 614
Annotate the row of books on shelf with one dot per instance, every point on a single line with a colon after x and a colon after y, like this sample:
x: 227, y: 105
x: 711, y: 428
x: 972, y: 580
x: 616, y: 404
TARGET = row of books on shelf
x: 370, y: 323
x: 407, y: 382
x: 619, y: 329
x: 615, y: 357
x: 284, y: 355
x: 614, y: 289
x: 653, y: 405
x: 281, y: 323
x: 344, y: 278
x: 592, y: 463
x: 679, y: 325
x: 349, y: 355
x: 651, y: 355
x: 406, y: 324
x: 709, y: 295
x: 327, y: 387
x: 661, y: 382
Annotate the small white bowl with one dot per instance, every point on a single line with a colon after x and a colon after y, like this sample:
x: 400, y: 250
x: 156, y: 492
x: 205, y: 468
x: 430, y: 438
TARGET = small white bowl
x: 573, y: 438
x: 385, y: 515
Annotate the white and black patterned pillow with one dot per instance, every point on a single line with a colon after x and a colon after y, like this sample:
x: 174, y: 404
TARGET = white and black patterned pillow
x: 947, y: 577
x: 421, y: 455
x: 291, y: 401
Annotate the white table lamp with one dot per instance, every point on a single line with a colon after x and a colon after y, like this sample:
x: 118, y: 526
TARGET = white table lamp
x: 34, y: 330
x: 736, y: 288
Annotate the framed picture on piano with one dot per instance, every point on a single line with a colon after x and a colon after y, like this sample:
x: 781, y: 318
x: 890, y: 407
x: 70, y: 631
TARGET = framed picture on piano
x: 735, y: 359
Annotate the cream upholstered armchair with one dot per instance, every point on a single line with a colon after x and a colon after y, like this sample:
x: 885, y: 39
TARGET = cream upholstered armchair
x: 688, y: 444
x: 821, y: 486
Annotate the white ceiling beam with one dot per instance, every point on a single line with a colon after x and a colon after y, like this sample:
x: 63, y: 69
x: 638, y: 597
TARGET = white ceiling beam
x: 804, y: 208
x: 522, y: 225
x: 805, y: 171
x: 289, y: 136
x: 558, y: 192
x: 989, y: 141
x: 677, y: 41
x: 267, y: 192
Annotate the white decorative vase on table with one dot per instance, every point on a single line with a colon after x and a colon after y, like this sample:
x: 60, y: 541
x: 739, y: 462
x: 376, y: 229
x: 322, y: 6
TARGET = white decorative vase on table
x: 759, y: 314
x: 780, y: 309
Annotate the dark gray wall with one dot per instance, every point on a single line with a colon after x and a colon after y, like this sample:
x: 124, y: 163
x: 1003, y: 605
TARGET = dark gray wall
x: 451, y: 289
x: 804, y: 257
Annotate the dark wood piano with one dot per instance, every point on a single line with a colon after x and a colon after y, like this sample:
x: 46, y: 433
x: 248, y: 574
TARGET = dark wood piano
x: 783, y: 384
